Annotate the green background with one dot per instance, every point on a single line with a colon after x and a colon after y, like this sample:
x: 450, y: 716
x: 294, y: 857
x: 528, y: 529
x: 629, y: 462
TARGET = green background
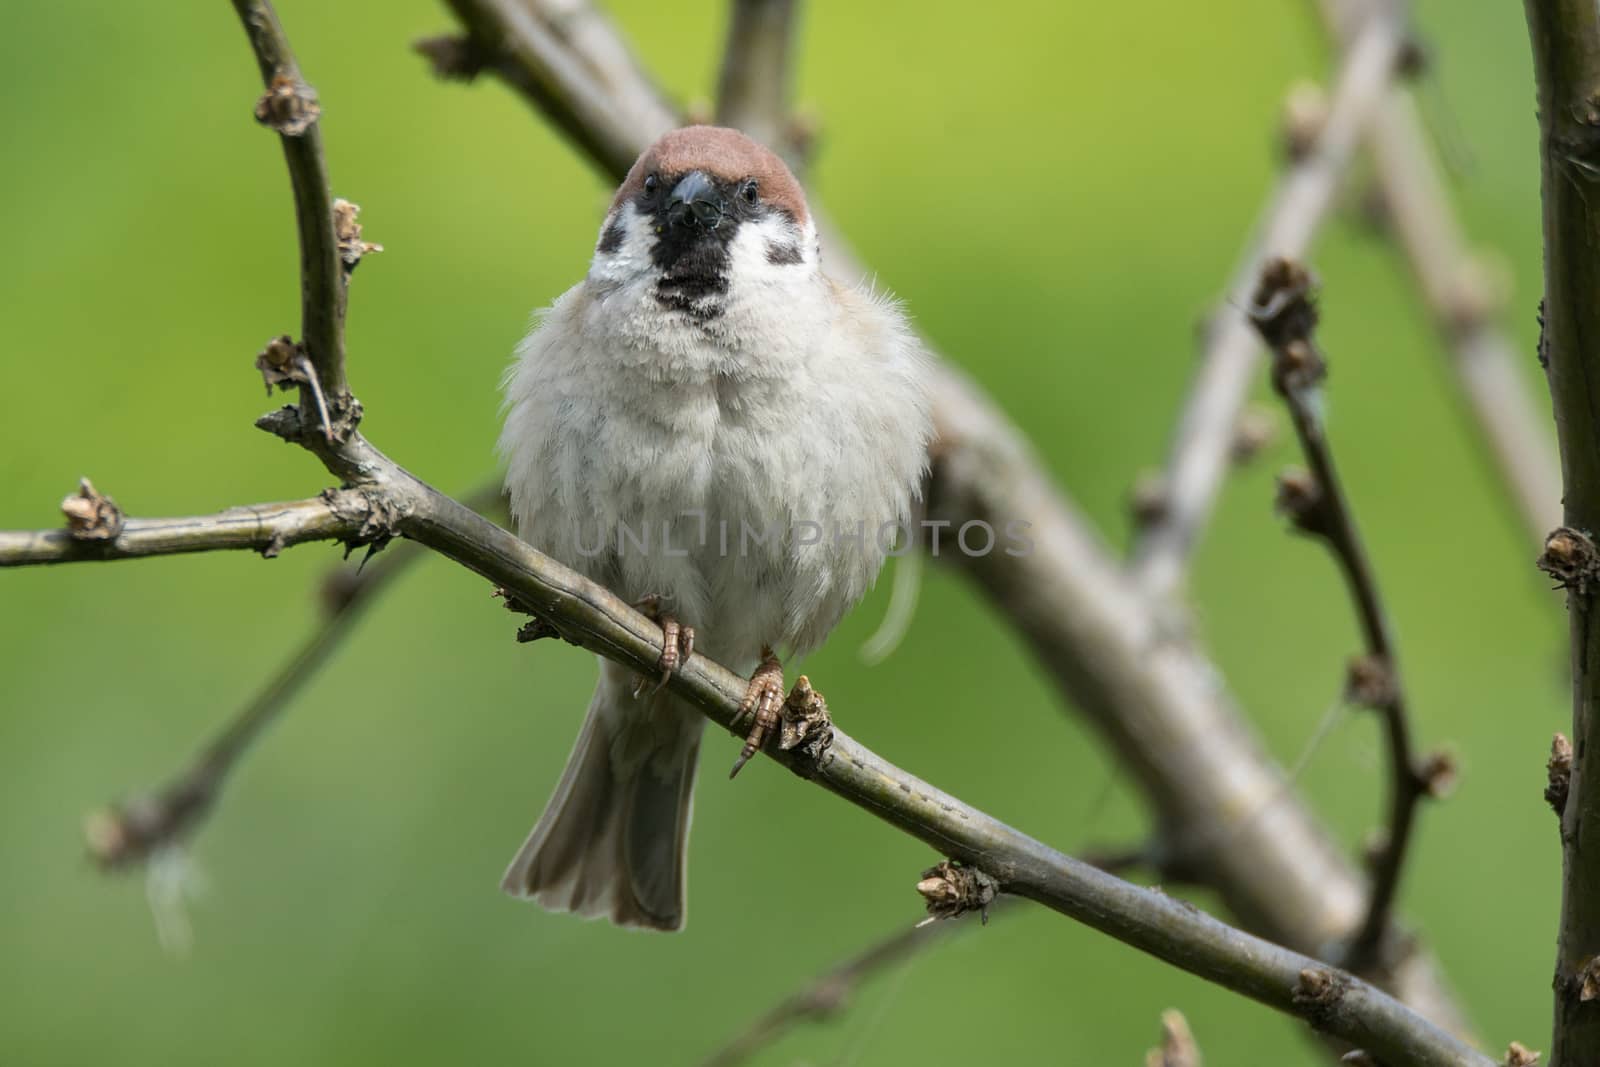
x: 1056, y: 190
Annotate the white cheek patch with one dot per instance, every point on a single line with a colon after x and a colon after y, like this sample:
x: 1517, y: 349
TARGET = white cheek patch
x: 773, y: 251
x: 623, y: 253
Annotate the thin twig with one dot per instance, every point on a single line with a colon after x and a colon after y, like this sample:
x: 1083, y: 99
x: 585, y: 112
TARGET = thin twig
x: 1160, y: 704
x: 1459, y: 292
x: 1199, y: 454
x: 1159, y: 701
x: 829, y: 993
x: 290, y: 106
x: 1283, y: 311
x: 826, y: 995
x: 756, y: 78
x: 336, y: 515
x: 1566, y: 61
x: 1175, y: 858
x: 129, y: 832
x: 309, y: 369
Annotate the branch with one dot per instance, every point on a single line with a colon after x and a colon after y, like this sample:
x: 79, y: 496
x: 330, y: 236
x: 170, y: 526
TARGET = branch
x: 565, y: 58
x: 290, y: 107
x: 336, y: 515
x: 1566, y: 60
x: 1159, y: 703
x: 129, y: 832
x: 1457, y: 287
x: 827, y: 994
x: 753, y: 88
x: 1157, y: 700
x: 1284, y: 314
x: 588, y: 615
x: 1199, y: 454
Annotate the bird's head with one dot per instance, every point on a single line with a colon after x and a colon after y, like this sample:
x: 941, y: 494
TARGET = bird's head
x: 702, y: 210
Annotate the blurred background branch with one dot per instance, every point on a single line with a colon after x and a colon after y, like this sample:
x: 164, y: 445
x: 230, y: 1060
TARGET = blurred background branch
x: 1203, y: 441
x: 1283, y: 311
x: 130, y: 831
x: 1461, y: 291
x: 755, y: 83
x: 828, y: 994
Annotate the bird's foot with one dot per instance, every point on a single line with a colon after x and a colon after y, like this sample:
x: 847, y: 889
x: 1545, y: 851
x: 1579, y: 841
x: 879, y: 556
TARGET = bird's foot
x: 677, y: 643
x: 763, y: 700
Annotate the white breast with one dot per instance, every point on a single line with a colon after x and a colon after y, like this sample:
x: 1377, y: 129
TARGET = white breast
x: 725, y: 464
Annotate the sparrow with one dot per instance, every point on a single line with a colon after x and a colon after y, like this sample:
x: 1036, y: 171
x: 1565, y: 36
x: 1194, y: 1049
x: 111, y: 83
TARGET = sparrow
x: 710, y: 426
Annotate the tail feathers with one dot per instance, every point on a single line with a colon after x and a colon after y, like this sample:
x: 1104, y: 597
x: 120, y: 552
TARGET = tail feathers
x: 612, y: 840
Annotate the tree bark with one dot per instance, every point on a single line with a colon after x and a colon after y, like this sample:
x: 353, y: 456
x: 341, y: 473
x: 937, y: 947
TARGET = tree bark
x: 1566, y: 54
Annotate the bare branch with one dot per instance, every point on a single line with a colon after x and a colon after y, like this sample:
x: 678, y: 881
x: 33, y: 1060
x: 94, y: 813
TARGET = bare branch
x: 1284, y: 314
x: 1160, y: 705
x: 592, y: 617
x: 290, y: 106
x: 336, y: 515
x: 563, y: 56
x: 1460, y: 295
x: 128, y: 832
x: 1199, y: 454
x: 1159, y: 702
x: 828, y: 994
x: 756, y: 80
x: 1566, y: 61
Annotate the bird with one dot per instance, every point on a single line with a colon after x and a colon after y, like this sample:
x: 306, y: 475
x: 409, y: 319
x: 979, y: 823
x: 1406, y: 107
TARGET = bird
x: 714, y: 429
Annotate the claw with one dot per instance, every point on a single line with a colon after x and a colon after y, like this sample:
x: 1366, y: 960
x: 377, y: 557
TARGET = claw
x: 762, y: 701
x: 677, y: 644
x: 670, y: 629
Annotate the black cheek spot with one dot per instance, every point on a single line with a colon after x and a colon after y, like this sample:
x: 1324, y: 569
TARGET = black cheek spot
x: 783, y: 253
x: 611, y: 240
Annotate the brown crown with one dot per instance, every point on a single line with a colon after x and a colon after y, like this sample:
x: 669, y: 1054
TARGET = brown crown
x: 720, y: 153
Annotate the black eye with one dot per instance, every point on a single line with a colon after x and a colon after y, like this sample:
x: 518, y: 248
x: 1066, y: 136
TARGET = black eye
x: 651, y: 184
x: 750, y: 192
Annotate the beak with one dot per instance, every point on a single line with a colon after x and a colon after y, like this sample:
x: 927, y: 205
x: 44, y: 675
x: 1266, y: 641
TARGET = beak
x: 694, y: 203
